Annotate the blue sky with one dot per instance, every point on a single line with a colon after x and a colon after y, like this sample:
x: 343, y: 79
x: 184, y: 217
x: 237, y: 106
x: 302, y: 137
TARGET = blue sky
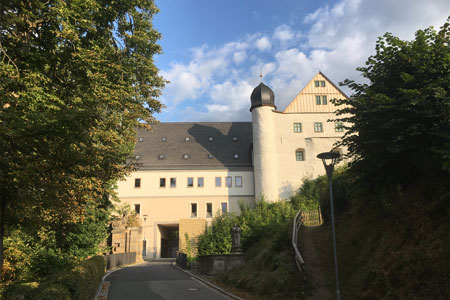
x: 213, y: 50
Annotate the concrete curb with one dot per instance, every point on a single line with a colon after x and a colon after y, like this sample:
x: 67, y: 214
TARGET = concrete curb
x: 208, y: 283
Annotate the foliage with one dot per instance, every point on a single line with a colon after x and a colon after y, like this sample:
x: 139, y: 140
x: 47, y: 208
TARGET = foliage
x: 76, y: 78
x: 399, y: 122
x: 79, y: 283
x: 217, y: 238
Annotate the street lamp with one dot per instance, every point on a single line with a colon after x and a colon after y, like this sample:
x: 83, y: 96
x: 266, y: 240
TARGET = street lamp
x: 144, y: 246
x: 329, y: 159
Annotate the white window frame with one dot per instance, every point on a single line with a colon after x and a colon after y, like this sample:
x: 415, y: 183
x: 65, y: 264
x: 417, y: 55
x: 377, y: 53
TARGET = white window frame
x: 236, y: 182
x: 318, y: 125
x: 206, y: 210
x: 196, y: 210
x: 221, y: 207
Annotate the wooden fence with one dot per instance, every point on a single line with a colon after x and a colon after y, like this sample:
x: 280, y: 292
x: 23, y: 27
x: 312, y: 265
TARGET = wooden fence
x: 312, y: 217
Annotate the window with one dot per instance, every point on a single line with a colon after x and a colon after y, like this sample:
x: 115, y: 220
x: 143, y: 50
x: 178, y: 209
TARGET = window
x: 238, y: 181
x: 318, y: 127
x: 209, y: 210
x: 229, y: 181
x: 224, y: 207
x: 324, y: 100
x: 193, y: 210
x: 137, y: 157
x: 235, y: 138
x: 190, y: 182
x: 339, y: 127
x: 186, y: 156
x: 210, y: 156
x: 322, y: 83
x: 210, y: 138
x: 141, y: 139
x: 200, y: 182
x: 299, y: 155
x: 297, y: 127
x: 318, y: 100
x: 218, y: 181
x: 316, y: 83
x: 236, y: 156
x: 137, y: 208
x: 162, y: 156
x: 162, y: 182
x: 173, y: 182
x: 187, y: 139
x: 163, y: 139
x: 137, y: 182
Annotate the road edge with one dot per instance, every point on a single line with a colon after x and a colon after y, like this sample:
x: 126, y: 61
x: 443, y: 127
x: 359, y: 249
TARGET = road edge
x: 208, y: 283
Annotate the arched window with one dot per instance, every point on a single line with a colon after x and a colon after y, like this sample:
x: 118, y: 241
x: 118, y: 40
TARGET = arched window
x: 300, y: 154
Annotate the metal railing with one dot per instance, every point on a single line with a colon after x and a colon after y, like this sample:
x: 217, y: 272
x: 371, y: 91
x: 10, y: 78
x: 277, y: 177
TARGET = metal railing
x: 298, y: 222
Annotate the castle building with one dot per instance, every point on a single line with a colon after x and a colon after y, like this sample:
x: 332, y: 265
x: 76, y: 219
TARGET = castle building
x: 189, y: 172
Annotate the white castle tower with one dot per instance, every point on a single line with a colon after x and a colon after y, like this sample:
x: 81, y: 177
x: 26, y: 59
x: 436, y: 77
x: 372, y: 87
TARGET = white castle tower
x: 264, y: 149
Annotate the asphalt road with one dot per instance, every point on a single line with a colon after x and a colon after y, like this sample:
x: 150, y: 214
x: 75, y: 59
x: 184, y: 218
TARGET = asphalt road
x: 157, y: 281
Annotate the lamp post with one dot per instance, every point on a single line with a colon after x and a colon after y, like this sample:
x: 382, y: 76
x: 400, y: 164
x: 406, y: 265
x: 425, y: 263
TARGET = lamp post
x: 329, y: 159
x: 144, y: 250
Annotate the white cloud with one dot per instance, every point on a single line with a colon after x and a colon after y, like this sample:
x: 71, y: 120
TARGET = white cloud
x: 334, y: 39
x: 263, y: 44
x: 239, y: 56
x: 283, y: 33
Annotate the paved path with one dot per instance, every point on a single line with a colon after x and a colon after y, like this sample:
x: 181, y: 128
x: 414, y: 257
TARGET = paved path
x: 157, y: 281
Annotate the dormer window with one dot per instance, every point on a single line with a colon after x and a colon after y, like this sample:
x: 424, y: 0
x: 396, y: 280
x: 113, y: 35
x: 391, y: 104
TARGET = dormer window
x: 210, y: 138
x: 162, y: 156
x: 163, y: 139
x: 186, y: 156
x: 141, y: 139
x: 137, y: 157
x: 235, y: 138
x: 236, y: 156
x: 187, y: 139
x: 210, y: 156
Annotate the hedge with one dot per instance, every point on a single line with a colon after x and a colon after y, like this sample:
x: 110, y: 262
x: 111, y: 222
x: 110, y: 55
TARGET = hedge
x: 79, y: 283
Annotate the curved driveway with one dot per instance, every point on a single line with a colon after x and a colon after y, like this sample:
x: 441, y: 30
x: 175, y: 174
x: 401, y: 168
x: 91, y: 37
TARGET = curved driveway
x: 157, y: 281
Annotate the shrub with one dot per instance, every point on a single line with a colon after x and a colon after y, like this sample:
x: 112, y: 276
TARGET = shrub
x: 52, y: 292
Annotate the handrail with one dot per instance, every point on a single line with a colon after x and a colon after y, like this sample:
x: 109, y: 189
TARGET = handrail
x: 298, y: 222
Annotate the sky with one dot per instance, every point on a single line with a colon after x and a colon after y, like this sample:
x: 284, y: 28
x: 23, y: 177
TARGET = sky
x: 215, y: 50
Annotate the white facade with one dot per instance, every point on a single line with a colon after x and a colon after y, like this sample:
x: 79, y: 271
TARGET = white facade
x: 282, y: 153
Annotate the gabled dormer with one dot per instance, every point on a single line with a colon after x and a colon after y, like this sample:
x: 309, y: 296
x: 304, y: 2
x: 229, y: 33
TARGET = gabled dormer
x: 315, y: 97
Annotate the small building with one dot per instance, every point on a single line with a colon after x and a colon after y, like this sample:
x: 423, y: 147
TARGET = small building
x: 188, y: 172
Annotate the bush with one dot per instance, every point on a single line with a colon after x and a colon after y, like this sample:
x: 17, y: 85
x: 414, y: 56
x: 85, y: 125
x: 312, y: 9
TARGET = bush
x: 79, y: 283
x: 52, y: 292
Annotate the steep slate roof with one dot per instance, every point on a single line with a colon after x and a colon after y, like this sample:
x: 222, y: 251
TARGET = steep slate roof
x: 223, y: 147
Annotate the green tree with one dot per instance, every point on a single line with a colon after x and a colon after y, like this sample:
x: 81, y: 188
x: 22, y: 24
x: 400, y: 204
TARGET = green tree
x: 399, y: 122
x: 76, y: 79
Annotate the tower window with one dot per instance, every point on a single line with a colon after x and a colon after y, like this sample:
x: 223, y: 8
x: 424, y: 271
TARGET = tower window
x: 299, y: 155
x: 339, y: 127
x: 318, y: 127
x: 297, y: 127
